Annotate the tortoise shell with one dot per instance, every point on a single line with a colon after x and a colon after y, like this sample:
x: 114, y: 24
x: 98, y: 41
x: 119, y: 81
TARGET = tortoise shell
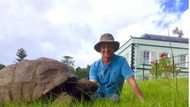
x: 32, y: 79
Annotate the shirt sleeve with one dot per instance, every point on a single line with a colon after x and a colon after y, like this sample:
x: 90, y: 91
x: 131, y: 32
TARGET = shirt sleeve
x: 93, y: 72
x: 126, y: 70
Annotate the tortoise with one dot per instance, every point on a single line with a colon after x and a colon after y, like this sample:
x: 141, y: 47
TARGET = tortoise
x: 30, y: 80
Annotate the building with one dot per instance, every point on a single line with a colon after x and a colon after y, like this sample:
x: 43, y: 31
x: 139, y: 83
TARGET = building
x: 141, y: 51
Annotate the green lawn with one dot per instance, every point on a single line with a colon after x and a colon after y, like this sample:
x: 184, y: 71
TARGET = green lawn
x: 158, y: 93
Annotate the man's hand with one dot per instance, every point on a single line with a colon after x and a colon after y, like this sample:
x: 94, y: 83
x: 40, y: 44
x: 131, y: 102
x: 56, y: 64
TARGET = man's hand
x: 136, y: 89
x: 94, y: 81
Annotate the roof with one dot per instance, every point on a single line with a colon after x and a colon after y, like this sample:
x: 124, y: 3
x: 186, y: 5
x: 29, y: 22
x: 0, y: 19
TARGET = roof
x: 163, y: 38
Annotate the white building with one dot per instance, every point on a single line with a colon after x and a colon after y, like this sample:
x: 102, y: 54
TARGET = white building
x: 140, y: 51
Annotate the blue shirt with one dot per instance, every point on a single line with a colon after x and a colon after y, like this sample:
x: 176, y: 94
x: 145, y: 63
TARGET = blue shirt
x: 110, y: 77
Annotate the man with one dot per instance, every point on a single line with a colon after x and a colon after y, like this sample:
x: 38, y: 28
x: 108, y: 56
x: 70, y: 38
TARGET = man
x: 111, y: 70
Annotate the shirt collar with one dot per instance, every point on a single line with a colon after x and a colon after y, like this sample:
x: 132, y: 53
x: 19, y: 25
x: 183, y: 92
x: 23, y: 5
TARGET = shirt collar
x: 112, y: 58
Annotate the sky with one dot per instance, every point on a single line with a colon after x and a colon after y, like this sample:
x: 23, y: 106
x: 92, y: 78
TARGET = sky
x: 57, y: 28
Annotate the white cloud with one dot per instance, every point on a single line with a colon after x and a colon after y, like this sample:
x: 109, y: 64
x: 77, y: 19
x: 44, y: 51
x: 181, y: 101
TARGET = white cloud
x: 146, y: 25
x: 183, y: 24
x: 47, y: 46
x: 2, y: 37
x: 66, y: 12
x: 58, y: 16
x: 101, y: 14
x: 149, y: 24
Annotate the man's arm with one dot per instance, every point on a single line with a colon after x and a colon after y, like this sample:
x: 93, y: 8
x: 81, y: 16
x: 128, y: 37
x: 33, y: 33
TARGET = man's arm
x: 136, y: 89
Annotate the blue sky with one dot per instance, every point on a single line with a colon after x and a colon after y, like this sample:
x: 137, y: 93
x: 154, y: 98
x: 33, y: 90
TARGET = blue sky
x: 55, y: 28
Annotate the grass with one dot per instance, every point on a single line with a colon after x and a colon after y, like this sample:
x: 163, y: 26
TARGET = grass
x: 157, y: 93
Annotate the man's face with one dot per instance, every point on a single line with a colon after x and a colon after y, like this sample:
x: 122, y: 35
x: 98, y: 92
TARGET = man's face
x: 106, y: 50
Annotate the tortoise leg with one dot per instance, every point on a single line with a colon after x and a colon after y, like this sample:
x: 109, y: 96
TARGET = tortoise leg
x: 64, y: 99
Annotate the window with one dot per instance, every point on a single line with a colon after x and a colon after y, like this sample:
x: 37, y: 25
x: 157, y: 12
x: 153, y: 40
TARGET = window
x: 146, y: 57
x: 182, y: 60
x: 152, y: 56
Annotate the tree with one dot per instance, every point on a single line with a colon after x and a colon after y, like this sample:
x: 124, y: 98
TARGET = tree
x: 2, y: 66
x: 82, y: 73
x: 163, y: 68
x: 21, y: 54
x: 68, y: 60
x: 178, y: 32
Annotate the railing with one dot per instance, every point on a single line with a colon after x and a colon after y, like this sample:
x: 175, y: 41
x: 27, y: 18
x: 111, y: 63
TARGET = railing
x: 183, y: 70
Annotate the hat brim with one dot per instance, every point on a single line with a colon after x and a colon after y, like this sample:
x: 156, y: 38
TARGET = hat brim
x: 115, y: 45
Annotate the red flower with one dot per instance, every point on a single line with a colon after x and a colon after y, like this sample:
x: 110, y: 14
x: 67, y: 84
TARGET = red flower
x: 163, y: 55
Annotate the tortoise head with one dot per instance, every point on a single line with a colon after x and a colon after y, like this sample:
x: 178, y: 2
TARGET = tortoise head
x: 82, y: 89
